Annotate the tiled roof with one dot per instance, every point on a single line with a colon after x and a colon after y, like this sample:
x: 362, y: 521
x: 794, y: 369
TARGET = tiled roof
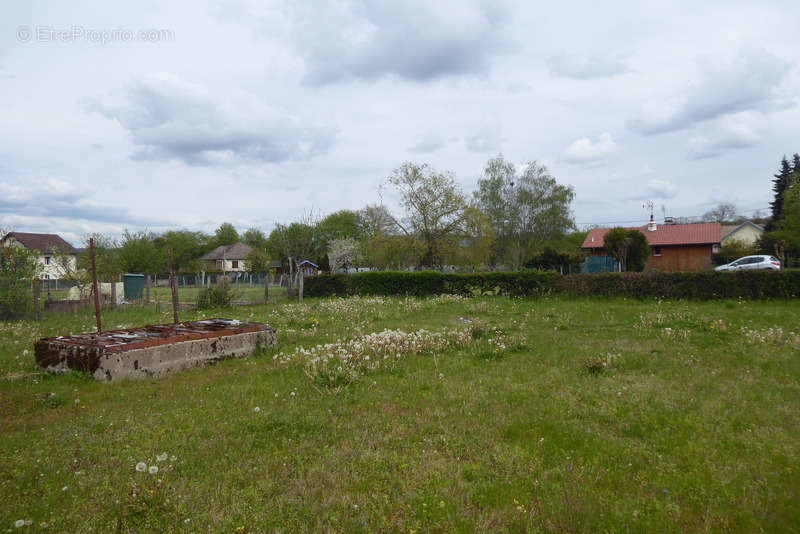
x: 46, y: 243
x: 237, y: 251
x: 665, y: 235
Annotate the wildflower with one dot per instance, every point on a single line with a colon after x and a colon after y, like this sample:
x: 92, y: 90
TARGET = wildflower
x: 19, y: 523
x: 256, y: 409
x: 153, y: 469
x: 161, y: 457
x: 141, y: 467
x: 292, y: 393
x: 65, y: 488
x: 441, y: 376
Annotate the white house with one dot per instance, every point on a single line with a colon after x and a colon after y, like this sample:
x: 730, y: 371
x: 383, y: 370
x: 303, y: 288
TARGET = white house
x: 49, y: 247
x: 230, y: 258
x: 746, y: 233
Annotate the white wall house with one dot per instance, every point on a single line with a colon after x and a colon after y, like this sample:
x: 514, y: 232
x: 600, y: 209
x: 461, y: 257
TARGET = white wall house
x: 230, y: 258
x: 746, y: 233
x: 50, y: 248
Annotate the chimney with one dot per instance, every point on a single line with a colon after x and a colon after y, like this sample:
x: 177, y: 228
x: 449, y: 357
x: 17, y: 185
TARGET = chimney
x: 651, y: 226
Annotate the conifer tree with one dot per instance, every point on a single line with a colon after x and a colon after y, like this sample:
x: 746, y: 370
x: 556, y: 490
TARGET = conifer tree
x: 779, y: 185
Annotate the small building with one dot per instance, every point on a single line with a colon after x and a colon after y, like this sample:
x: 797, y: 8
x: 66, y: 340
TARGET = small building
x: 308, y: 268
x: 674, y: 247
x: 228, y: 258
x: 55, y: 255
x: 747, y: 233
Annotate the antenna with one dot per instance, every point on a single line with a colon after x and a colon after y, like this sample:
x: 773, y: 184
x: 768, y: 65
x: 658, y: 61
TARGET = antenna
x: 649, y: 205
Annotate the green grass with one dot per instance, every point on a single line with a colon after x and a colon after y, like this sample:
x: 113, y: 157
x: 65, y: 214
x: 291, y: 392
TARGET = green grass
x: 599, y: 415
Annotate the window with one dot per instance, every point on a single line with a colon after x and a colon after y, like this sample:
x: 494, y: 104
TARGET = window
x: 47, y: 260
x: 234, y: 264
x: 657, y: 251
x: 47, y: 277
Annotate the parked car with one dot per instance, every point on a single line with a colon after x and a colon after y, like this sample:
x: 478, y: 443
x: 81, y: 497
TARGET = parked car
x: 752, y: 262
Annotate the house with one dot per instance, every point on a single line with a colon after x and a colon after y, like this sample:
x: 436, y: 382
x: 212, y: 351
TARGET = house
x: 747, y: 233
x: 228, y: 258
x: 674, y: 247
x: 308, y: 268
x: 55, y: 256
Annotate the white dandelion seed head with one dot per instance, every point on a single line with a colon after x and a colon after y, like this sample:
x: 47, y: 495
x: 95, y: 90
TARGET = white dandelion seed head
x: 153, y: 469
x: 141, y: 467
x: 161, y: 457
x: 256, y: 409
x: 19, y: 523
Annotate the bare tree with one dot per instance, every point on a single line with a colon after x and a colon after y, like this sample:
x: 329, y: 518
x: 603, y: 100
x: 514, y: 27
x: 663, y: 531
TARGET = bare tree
x: 723, y: 213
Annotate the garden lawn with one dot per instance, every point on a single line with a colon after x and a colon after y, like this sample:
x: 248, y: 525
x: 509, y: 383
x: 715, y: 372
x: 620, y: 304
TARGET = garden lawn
x: 560, y: 415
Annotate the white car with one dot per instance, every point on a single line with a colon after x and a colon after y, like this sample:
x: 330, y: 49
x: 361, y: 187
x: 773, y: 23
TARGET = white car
x: 752, y: 262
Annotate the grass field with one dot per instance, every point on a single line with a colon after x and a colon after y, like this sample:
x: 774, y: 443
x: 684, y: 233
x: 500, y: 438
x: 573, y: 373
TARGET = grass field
x: 242, y: 293
x: 508, y: 415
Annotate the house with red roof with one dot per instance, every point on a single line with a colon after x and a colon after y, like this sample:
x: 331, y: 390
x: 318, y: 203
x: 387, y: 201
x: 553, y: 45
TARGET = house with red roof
x: 673, y: 247
x: 54, y: 255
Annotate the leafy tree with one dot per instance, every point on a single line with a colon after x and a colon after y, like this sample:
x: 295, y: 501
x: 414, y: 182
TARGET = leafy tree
x: 474, y: 246
x: 616, y: 243
x: 638, y: 251
x: 527, y: 209
x: 376, y: 221
x: 138, y: 253
x: 258, y: 261
x: 226, y: 234
x: 255, y: 238
x: 295, y: 242
x: 343, y: 253
x: 18, y: 268
x: 434, y: 207
x: 187, y: 248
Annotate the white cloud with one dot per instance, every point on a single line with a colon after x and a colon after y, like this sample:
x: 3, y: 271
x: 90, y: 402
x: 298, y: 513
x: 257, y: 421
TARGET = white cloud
x: 586, y: 151
x: 586, y: 66
x: 737, y: 131
x: 169, y: 118
x: 661, y: 189
x: 752, y: 81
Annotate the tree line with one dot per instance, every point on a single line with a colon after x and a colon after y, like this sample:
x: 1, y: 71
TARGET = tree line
x: 513, y: 217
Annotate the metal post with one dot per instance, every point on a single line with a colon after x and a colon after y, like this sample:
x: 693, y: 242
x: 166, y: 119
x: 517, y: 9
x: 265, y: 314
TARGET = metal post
x: 173, y: 287
x: 113, y: 292
x: 37, y: 294
x: 94, y: 286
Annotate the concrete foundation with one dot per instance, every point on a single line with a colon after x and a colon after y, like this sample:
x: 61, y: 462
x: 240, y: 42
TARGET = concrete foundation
x: 153, y: 351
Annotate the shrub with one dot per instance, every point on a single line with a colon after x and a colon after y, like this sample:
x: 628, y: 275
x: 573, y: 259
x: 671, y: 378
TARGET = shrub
x: 652, y: 284
x: 219, y: 296
x: 17, y: 271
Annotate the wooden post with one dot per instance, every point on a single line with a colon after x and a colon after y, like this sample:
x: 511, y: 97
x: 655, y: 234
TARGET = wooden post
x: 113, y: 292
x: 266, y: 288
x: 173, y: 287
x: 94, y: 286
x: 300, y: 288
x: 147, y: 288
x: 37, y: 294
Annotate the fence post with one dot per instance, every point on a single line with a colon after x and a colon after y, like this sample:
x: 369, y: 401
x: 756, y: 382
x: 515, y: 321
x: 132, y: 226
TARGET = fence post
x: 173, y: 287
x: 94, y: 286
x: 300, y: 288
x: 37, y: 293
x: 147, y: 288
x: 113, y: 292
x: 266, y: 288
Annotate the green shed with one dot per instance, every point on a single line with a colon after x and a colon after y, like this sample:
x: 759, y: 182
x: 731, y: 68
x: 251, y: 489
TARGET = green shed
x: 133, y: 285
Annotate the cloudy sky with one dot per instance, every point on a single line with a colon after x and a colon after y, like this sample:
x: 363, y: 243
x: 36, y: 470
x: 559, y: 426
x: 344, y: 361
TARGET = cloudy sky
x: 184, y: 115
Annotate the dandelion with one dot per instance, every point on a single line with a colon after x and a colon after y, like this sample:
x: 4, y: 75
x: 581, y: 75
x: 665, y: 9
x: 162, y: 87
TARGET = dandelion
x: 161, y: 457
x: 153, y: 469
x: 441, y: 376
x: 19, y: 523
x: 65, y: 488
x: 141, y: 467
x: 292, y: 393
x: 256, y: 409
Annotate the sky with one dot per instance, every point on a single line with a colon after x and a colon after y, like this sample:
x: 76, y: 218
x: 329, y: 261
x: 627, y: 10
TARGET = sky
x: 167, y: 115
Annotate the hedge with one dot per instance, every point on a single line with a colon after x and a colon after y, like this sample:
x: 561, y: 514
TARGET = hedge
x: 695, y: 286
